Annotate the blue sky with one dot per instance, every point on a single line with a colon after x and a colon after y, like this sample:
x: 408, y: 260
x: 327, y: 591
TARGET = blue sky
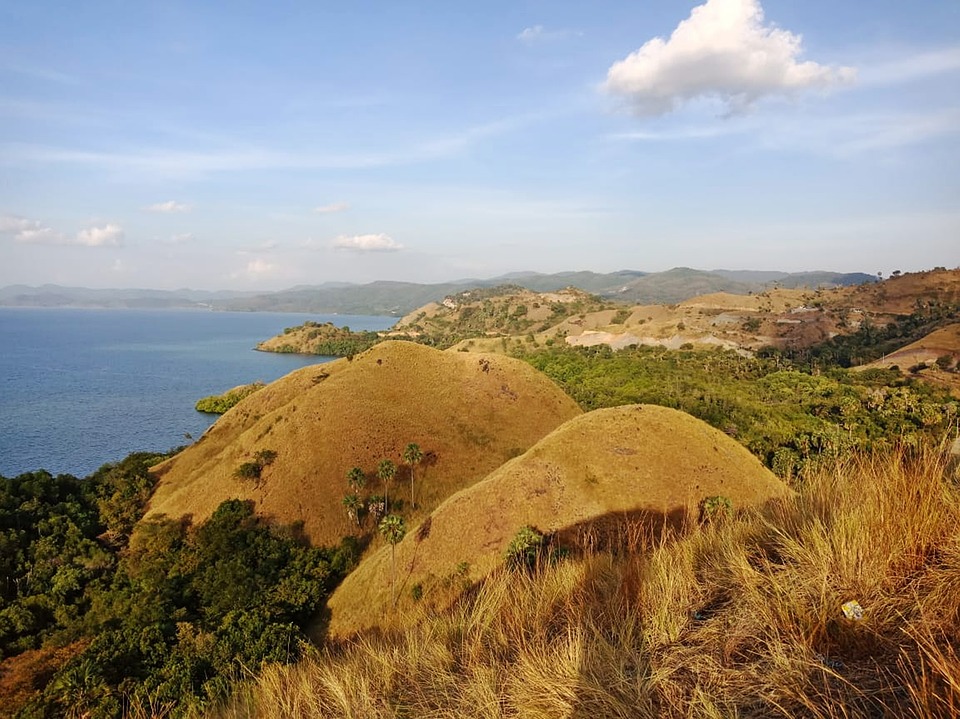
x: 262, y: 146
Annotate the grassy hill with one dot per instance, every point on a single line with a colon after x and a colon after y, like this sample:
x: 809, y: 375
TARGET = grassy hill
x: 583, y: 482
x: 469, y: 414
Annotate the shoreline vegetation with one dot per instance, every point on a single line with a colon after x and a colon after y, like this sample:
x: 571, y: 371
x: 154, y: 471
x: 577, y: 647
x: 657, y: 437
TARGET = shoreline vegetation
x: 220, y: 403
x: 325, y: 339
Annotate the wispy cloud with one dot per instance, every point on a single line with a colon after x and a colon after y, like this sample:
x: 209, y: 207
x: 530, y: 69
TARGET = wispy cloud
x: 689, y: 132
x: 852, y: 135
x: 844, y: 135
x: 179, y: 163
x: 42, y: 73
x: 724, y: 51
x: 538, y: 33
x: 911, y: 67
x: 169, y: 207
x: 331, y: 208
x: 367, y: 243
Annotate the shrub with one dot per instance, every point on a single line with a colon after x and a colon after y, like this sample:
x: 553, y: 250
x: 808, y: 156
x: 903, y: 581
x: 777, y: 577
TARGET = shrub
x: 525, y: 548
x: 248, y: 470
x: 715, y: 508
x: 220, y: 403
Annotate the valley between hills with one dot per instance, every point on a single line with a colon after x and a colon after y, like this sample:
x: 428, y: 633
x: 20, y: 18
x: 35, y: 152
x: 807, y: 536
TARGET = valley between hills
x: 529, y: 503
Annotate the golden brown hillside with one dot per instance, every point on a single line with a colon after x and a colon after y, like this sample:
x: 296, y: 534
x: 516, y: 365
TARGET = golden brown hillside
x: 593, y: 472
x: 944, y: 342
x: 936, y: 356
x: 900, y: 294
x: 469, y: 413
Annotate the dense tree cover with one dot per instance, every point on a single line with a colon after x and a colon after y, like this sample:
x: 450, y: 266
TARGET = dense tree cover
x: 59, y: 538
x: 785, y: 416
x: 172, y: 613
x: 220, y: 403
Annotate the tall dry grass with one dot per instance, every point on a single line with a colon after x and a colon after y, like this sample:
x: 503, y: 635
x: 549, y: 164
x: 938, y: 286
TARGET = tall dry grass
x: 737, y: 618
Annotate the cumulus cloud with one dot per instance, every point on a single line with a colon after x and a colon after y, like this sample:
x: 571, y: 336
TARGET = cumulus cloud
x: 723, y: 51
x: 169, y: 207
x: 109, y: 235
x: 367, y: 243
x: 30, y: 232
x: 259, y: 267
x: 331, y: 208
x: 41, y: 235
x: 33, y: 232
x: 19, y: 227
x: 255, y: 269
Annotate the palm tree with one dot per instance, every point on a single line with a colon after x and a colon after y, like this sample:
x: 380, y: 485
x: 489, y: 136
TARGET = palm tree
x: 393, y: 529
x: 356, y: 478
x: 412, y: 456
x: 352, y: 503
x: 377, y: 507
x: 386, y: 471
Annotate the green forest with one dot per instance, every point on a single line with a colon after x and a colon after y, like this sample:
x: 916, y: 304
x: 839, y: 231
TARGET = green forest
x: 163, y: 620
x: 788, y: 415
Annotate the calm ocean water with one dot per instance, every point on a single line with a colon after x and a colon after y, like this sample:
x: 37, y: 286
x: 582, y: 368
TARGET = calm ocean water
x: 79, y: 388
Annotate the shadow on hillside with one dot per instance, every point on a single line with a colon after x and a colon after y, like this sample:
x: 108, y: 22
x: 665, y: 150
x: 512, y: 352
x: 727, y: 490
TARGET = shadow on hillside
x: 621, y: 532
x: 610, y: 676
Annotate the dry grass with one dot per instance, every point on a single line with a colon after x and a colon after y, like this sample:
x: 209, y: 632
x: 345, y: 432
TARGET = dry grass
x: 738, y: 618
x: 468, y: 413
x: 593, y: 474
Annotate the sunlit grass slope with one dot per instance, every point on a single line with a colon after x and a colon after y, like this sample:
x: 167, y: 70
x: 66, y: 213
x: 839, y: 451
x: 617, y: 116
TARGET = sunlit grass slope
x: 587, y: 479
x: 469, y: 414
x: 734, y: 618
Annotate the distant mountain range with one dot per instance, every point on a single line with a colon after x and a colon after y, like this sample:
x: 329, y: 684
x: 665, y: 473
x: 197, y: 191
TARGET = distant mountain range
x: 398, y: 298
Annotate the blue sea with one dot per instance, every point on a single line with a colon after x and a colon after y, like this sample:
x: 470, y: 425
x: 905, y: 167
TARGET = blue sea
x: 82, y: 387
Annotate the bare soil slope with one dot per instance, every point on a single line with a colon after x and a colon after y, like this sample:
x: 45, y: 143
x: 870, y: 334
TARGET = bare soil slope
x: 469, y: 413
x: 594, y: 472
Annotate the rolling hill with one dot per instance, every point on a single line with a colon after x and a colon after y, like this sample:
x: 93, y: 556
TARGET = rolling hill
x: 469, y: 413
x: 588, y: 479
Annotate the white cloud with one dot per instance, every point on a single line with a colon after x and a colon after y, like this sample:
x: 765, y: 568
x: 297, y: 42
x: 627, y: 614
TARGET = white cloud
x: 260, y: 267
x: 538, y: 33
x: 331, y: 208
x: 12, y: 224
x: 530, y: 34
x: 724, y: 52
x: 109, y: 235
x: 33, y: 232
x: 30, y: 232
x: 255, y: 269
x: 42, y: 236
x: 169, y: 207
x: 367, y: 243
x: 181, y: 238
